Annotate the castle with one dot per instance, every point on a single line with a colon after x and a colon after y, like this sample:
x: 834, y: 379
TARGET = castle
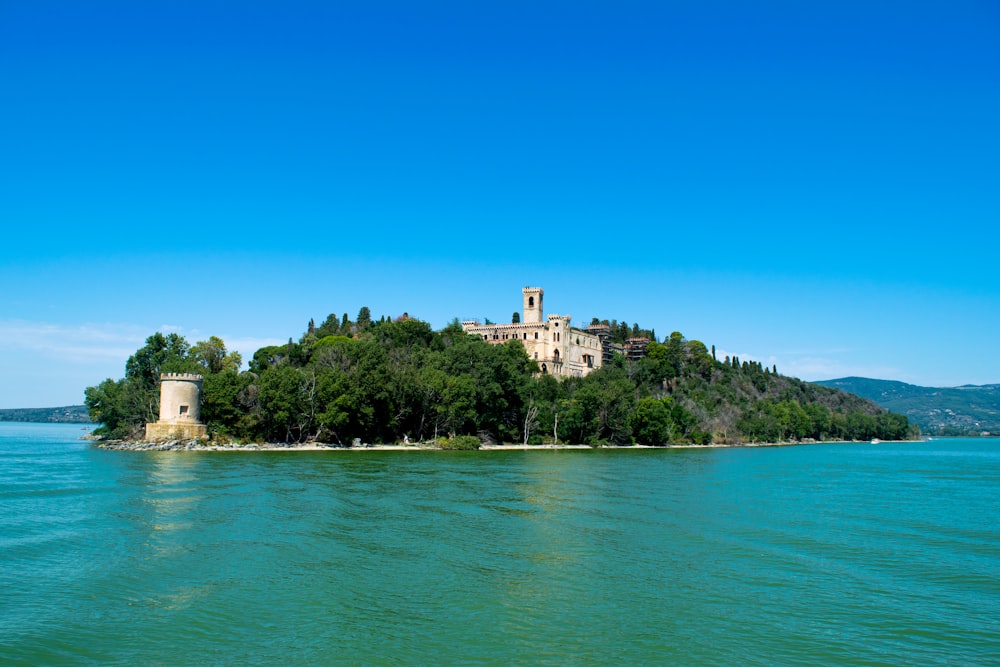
x: 558, y: 348
x: 180, y: 408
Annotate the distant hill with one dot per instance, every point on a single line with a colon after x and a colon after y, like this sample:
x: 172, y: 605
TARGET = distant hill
x: 969, y: 409
x: 71, y: 414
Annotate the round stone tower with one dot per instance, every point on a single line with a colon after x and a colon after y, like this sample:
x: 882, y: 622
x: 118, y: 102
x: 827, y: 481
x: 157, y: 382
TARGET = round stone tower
x: 532, y: 304
x: 180, y: 408
x: 180, y: 397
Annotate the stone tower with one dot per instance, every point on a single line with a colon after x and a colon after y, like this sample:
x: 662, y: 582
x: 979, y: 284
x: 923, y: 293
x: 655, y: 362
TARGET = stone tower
x: 532, y: 304
x: 180, y: 408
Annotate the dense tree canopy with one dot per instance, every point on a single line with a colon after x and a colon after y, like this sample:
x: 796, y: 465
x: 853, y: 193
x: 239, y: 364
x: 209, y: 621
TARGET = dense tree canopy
x: 389, y: 380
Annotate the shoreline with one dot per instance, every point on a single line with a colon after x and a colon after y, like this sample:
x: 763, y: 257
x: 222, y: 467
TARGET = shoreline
x: 196, y: 446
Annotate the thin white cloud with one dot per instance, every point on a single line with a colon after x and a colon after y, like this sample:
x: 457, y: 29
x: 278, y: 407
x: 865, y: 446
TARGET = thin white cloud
x: 80, y: 344
x: 92, y: 343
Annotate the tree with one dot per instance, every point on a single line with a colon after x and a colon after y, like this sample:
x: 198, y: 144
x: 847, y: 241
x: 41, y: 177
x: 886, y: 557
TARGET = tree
x: 699, y: 359
x: 530, y: 420
x: 651, y: 422
x: 673, y: 356
x: 364, y: 318
x: 160, y: 354
x: 516, y: 318
x: 121, y: 410
x: 227, y: 405
x: 599, y: 408
x: 212, y: 355
x: 286, y: 403
x: 330, y: 327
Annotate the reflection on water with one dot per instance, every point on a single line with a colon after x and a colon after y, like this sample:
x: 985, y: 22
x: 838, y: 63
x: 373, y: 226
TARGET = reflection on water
x: 170, y: 491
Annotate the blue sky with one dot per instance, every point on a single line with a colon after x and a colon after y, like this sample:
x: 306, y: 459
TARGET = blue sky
x: 812, y: 185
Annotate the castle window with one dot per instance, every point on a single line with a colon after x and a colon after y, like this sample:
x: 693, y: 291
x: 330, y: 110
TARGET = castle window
x: 531, y: 302
x: 536, y: 335
x: 184, y: 409
x: 525, y: 335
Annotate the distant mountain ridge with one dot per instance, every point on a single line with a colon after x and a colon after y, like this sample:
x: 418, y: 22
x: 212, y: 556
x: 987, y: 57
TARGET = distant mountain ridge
x: 965, y: 410
x: 70, y: 414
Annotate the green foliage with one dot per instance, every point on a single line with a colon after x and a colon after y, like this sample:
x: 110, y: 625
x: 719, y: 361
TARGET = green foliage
x: 458, y: 442
x: 160, y: 354
x: 228, y: 403
x: 118, y: 407
x: 599, y: 408
x: 286, y: 400
x: 212, y: 356
x: 651, y: 422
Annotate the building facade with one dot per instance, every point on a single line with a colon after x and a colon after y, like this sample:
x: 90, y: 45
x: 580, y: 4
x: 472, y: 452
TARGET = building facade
x: 551, y: 341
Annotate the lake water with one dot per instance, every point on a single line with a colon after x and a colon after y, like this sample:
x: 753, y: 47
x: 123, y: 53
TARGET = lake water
x: 860, y: 554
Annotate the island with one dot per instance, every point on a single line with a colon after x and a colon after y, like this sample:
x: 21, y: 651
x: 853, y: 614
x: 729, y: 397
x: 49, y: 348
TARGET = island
x: 536, y: 381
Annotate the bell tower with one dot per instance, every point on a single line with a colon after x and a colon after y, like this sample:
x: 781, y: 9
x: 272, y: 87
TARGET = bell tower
x: 532, y: 304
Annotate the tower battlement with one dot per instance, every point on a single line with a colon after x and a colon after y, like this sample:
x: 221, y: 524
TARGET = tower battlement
x: 190, y: 377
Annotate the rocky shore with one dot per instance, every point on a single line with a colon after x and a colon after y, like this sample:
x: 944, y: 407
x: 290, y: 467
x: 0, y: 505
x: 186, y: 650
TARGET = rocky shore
x: 203, y: 446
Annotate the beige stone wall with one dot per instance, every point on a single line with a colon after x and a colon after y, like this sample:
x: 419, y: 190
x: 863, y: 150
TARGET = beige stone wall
x: 165, y: 431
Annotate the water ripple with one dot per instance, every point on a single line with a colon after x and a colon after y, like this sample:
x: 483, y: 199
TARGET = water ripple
x: 881, y: 555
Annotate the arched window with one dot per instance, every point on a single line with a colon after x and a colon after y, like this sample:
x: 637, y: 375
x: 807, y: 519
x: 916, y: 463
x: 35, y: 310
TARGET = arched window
x: 531, y: 302
x: 556, y: 355
x: 545, y: 369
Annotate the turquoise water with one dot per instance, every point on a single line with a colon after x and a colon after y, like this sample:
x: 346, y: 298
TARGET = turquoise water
x: 882, y: 554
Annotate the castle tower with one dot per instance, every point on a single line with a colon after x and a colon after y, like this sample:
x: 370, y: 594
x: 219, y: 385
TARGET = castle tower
x: 180, y: 408
x: 532, y: 304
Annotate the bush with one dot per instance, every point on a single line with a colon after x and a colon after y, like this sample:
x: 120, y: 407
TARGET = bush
x: 459, y: 442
